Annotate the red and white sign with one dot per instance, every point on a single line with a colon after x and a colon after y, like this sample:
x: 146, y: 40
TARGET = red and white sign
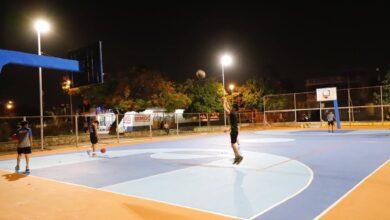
x: 212, y: 116
x: 141, y: 118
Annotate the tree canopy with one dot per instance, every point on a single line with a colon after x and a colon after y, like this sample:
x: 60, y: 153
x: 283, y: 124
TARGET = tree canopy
x: 205, y: 94
x: 136, y: 89
x: 140, y: 88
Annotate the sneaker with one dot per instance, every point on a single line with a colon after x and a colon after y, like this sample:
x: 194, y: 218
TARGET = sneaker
x: 235, y: 160
x: 27, y: 171
x: 240, y: 158
x: 17, y: 168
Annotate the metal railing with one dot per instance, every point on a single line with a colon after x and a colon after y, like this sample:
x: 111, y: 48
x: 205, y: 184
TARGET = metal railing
x: 116, y: 128
x: 356, y: 105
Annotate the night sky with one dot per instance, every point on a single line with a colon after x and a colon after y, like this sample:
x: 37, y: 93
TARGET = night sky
x: 290, y: 42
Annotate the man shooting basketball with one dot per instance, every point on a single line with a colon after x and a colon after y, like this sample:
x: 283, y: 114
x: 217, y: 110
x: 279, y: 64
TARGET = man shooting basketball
x: 233, y: 130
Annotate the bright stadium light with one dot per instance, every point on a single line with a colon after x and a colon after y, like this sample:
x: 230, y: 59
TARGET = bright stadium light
x: 41, y: 26
x: 226, y: 60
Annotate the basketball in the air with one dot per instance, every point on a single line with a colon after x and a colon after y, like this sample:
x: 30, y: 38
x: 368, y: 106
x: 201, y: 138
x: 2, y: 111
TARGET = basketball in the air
x: 103, y: 150
x: 200, y: 74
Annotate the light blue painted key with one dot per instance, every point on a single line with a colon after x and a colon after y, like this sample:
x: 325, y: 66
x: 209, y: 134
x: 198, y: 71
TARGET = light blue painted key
x: 260, y: 182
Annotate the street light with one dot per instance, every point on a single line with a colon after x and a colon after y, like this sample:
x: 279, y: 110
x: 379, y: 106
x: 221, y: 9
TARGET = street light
x: 231, y: 87
x: 9, y: 105
x: 226, y: 60
x: 41, y: 26
x: 66, y: 84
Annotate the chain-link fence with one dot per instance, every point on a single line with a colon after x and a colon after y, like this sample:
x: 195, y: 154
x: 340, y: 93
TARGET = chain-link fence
x: 364, y: 104
x: 73, y: 130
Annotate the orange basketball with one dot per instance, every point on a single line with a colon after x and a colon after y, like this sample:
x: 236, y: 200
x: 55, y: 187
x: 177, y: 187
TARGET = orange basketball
x: 14, y: 137
x: 103, y: 150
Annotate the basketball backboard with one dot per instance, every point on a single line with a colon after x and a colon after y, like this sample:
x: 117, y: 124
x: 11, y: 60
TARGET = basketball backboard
x: 326, y: 94
x: 91, y: 65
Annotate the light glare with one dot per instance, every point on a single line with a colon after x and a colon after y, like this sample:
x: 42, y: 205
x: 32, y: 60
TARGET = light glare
x: 41, y: 26
x: 226, y: 60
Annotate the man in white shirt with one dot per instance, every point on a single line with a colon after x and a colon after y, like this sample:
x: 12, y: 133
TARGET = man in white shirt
x: 330, y: 118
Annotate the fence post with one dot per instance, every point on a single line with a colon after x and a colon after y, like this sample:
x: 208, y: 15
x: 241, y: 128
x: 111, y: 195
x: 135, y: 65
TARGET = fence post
x: 207, y: 119
x: 117, y: 127
x: 253, y: 118
x: 76, y: 124
x: 264, y: 116
x: 320, y: 114
x: 349, y: 107
x: 382, y: 113
x: 200, y: 122
x: 177, y: 124
x: 150, y: 125
x: 295, y: 108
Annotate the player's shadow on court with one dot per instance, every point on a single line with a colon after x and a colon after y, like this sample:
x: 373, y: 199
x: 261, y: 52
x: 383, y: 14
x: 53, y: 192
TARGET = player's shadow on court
x: 13, y: 176
x: 241, y: 201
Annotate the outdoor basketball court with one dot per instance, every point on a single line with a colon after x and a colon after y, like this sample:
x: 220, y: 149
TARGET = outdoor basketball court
x: 286, y: 174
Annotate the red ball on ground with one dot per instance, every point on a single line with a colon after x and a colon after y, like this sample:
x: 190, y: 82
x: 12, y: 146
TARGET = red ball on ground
x: 103, y: 150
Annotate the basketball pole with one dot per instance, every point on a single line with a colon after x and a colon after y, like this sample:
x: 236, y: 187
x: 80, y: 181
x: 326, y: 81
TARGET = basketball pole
x: 40, y: 88
x: 337, y: 114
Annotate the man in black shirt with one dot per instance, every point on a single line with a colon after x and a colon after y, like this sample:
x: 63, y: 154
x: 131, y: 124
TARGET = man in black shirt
x: 93, y: 136
x: 233, y: 130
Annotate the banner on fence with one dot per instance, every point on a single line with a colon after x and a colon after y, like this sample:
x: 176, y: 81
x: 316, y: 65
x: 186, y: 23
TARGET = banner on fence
x: 212, y: 117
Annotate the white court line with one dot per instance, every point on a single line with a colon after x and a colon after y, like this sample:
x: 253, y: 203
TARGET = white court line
x: 350, y: 191
x: 290, y: 197
x: 131, y: 196
x: 322, y: 133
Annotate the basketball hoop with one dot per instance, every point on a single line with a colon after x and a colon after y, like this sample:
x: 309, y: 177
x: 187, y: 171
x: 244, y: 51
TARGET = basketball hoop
x: 326, y: 94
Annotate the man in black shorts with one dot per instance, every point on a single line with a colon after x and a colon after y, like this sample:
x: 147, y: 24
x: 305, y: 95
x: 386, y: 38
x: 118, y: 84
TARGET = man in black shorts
x: 233, y: 130
x: 93, y: 136
x: 330, y: 118
x: 24, y: 137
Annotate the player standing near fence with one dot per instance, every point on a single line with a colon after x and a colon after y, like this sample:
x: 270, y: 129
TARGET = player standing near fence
x: 93, y: 136
x: 233, y: 130
x: 24, y: 137
x: 330, y: 118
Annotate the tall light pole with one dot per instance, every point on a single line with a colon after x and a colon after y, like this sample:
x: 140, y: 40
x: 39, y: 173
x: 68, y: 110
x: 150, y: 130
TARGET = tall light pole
x: 41, y: 26
x: 226, y: 60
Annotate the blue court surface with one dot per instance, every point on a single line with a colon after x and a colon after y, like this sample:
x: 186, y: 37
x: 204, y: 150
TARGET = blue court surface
x: 285, y: 174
